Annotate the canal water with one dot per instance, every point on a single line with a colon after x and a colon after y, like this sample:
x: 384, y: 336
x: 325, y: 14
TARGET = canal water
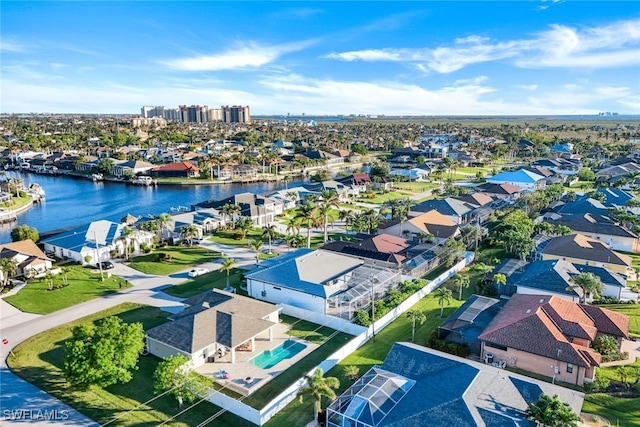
x: 73, y: 201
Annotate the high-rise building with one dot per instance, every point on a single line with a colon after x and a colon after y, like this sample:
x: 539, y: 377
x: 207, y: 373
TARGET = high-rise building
x: 215, y: 115
x: 194, y: 114
x: 236, y: 114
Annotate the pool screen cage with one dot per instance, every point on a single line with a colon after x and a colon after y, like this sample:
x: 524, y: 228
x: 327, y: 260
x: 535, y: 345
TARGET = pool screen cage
x: 367, y: 283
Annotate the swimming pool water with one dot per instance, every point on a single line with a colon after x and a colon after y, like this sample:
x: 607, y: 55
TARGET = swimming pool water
x: 270, y: 358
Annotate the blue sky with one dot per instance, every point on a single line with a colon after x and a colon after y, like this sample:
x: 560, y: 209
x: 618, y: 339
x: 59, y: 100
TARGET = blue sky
x: 393, y: 58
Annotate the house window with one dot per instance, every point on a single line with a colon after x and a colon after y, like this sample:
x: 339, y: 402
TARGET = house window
x: 569, y: 368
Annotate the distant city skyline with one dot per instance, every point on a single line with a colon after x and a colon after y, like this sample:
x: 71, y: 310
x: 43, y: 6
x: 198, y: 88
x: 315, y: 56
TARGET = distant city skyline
x: 417, y: 58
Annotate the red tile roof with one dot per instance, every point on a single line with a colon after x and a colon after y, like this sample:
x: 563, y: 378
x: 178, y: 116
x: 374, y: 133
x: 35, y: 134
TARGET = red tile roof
x: 546, y: 326
x: 177, y: 167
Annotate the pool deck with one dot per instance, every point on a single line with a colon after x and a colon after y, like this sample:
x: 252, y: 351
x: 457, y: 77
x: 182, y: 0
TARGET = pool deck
x: 243, y: 369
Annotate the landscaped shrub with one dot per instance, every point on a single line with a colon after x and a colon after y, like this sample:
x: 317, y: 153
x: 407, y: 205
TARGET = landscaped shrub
x: 361, y: 317
x: 606, y: 345
x: 161, y: 256
x: 615, y: 356
x: 611, y: 300
x: 447, y: 347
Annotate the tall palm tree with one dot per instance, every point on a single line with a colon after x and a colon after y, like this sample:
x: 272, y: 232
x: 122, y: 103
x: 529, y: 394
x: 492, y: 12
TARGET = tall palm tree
x: 415, y: 316
x: 270, y: 232
x: 328, y: 200
x: 256, y: 246
x: 461, y: 281
x: 293, y: 225
x: 294, y: 240
x: 318, y: 387
x: 9, y: 268
x: 243, y: 225
x: 308, y: 214
x: 189, y: 232
x: 589, y: 283
x: 443, y: 295
x: 227, y: 265
x: 164, y: 220
x: 347, y: 216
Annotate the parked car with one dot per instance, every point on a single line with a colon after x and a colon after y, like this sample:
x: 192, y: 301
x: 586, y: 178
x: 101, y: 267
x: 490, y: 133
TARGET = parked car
x: 105, y: 265
x: 198, y: 271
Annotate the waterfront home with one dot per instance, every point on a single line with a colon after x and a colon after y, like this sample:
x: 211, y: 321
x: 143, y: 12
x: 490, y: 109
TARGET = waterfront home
x: 205, y: 221
x: 432, y: 223
x: 176, y: 170
x: 292, y: 197
x: 130, y: 167
x: 506, y: 192
x: 415, y: 384
x: 551, y: 336
x: 383, y: 247
x: 212, y: 323
x: 29, y: 259
x: 260, y: 209
x: 92, y: 243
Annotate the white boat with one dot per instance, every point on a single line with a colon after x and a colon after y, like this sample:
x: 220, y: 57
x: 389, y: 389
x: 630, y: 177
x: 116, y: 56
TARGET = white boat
x: 97, y: 177
x: 142, y: 180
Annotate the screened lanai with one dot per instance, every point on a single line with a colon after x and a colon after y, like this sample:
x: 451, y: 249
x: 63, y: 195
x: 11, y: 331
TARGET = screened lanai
x: 367, y: 282
x: 368, y: 400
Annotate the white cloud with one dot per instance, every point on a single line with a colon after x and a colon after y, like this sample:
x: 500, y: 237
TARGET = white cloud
x: 11, y: 46
x: 612, y: 45
x: 243, y: 56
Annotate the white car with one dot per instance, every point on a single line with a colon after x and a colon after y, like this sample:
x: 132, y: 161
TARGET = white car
x: 198, y: 271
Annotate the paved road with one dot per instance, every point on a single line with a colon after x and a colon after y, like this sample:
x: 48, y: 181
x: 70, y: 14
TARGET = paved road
x: 21, y: 402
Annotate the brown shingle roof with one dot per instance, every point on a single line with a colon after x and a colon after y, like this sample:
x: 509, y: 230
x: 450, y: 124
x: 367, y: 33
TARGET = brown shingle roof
x: 27, y: 247
x: 582, y: 247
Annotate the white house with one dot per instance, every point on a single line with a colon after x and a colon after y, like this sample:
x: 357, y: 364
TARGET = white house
x: 29, y: 259
x: 521, y: 178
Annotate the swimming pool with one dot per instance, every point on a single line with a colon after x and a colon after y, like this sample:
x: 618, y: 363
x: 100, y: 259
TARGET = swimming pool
x: 270, y: 358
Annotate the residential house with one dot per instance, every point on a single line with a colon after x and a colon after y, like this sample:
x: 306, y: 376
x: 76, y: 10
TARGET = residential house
x: 413, y: 174
x: 213, y: 322
x: 131, y: 167
x: 205, y: 220
x: 501, y: 191
x: 176, y: 170
x: 91, y: 243
x: 521, y: 178
x: 599, y: 227
x: 432, y: 223
x: 345, y: 192
x: 260, y: 209
x: 615, y: 173
x: 292, y: 197
x: 559, y: 166
x: 615, y: 197
x: 554, y: 277
x: 580, y: 249
x: 551, y: 336
x: 321, y: 281
x: 323, y: 156
x: 383, y: 247
x: 582, y: 205
x: 458, y: 211
x: 29, y: 259
x: 418, y: 386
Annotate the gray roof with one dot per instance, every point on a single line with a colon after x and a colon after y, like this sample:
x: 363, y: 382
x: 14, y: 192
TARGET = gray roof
x: 450, y: 391
x: 309, y: 272
x: 217, y: 317
x: 578, y: 246
x: 592, y: 223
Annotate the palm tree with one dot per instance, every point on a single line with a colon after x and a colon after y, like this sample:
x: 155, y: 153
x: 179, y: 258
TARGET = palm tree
x: 189, y: 232
x: 163, y: 220
x: 270, y: 232
x: 243, y: 225
x: 443, y: 295
x: 293, y: 225
x: 415, y: 316
x: 346, y: 216
x: 227, y: 265
x: 589, y: 283
x: 461, y: 281
x: 319, y: 387
x: 255, y: 246
x: 125, y: 237
x: 9, y: 268
x: 308, y: 214
x: 551, y: 411
x: 294, y: 240
x: 329, y: 200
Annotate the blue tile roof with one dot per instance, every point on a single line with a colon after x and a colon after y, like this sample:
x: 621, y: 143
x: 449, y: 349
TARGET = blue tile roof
x: 83, y: 237
x: 517, y: 176
x: 551, y: 275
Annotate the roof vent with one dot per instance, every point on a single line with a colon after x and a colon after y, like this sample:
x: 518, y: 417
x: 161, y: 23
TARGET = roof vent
x: 528, y: 310
x: 541, y: 300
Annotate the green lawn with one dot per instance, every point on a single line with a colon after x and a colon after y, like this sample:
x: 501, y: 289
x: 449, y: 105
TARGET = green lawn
x: 40, y: 360
x: 381, y: 198
x: 182, y: 257
x: 229, y: 238
x: 84, y: 285
x: 618, y: 410
x: 371, y: 353
x: 16, y: 202
x: 416, y: 187
x: 213, y: 280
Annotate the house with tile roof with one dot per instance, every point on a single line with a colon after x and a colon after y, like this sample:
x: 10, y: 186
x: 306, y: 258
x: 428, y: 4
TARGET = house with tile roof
x: 551, y: 336
x: 132, y: 167
x: 599, y: 227
x: 580, y: 249
x: 212, y: 321
x: 582, y: 205
x: 458, y: 211
x: 176, y: 170
x: 321, y: 281
x: 553, y: 277
x: 417, y: 386
x: 383, y: 247
x: 260, y: 209
x: 615, y: 197
x: 28, y: 257
x: 432, y: 223
x: 501, y: 191
x: 524, y: 179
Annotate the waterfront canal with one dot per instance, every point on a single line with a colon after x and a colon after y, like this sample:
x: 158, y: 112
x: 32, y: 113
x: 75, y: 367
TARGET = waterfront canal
x: 71, y: 201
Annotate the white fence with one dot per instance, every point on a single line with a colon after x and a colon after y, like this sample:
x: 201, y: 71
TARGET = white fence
x: 260, y: 417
